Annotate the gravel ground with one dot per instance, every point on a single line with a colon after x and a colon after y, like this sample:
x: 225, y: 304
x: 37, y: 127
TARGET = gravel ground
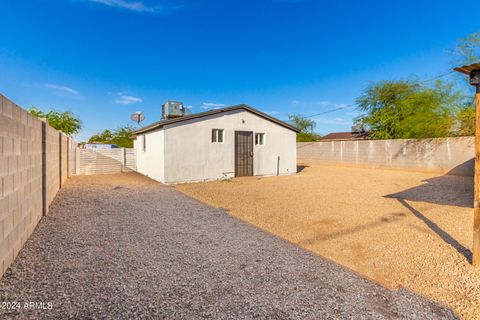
x: 401, y: 229
x: 124, y: 247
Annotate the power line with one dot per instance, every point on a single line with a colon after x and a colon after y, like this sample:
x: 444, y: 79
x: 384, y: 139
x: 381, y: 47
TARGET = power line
x: 354, y: 105
x: 438, y: 77
x: 332, y: 110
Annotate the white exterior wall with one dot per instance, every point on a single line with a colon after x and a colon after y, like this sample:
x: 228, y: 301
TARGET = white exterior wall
x: 183, y: 151
x: 151, y: 161
x: 191, y: 156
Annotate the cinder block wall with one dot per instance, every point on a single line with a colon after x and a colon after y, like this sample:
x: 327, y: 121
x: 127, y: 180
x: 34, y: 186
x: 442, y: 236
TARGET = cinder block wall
x: 29, y: 176
x: 21, y: 178
x: 63, y: 159
x: 72, y: 158
x: 52, y: 165
x: 452, y: 155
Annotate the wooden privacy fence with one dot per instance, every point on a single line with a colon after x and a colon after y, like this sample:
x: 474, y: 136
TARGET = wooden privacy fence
x: 105, y: 161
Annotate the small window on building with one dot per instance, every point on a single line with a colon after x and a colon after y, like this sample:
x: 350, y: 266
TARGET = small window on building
x: 144, y: 142
x: 217, y: 135
x: 259, y: 139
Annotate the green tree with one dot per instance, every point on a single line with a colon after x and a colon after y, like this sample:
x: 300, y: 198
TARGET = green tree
x: 306, y: 127
x: 65, y: 121
x: 302, y: 123
x: 120, y: 136
x: 466, y: 121
x: 467, y: 52
x: 104, y: 137
x: 408, y: 109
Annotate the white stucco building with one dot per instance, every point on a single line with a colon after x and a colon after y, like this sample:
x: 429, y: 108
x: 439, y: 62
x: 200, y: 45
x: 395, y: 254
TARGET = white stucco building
x: 221, y: 143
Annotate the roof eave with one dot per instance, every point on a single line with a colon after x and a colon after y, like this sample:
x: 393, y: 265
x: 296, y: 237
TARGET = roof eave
x: 160, y: 124
x: 467, y: 69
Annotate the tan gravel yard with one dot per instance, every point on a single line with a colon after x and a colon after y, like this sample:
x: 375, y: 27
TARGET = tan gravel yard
x: 401, y: 229
x: 122, y: 246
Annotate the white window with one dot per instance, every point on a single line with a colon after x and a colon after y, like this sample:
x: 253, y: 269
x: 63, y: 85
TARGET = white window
x: 259, y: 139
x: 144, y: 142
x: 217, y: 135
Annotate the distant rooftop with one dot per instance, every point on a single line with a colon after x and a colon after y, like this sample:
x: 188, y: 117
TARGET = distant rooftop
x: 345, y: 136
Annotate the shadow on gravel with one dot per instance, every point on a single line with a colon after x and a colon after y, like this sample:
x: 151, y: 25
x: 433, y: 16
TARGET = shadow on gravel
x: 439, y: 231
x: 329, y: 236
x: 453, y: 189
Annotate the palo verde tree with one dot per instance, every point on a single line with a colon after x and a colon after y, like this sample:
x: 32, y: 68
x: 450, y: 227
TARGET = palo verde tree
x: 65, y: 121
x: 467, y: 52
x: 408, y: 109
x: 104, y: 137
x: 306, y: 127
x: 412, y: 109
x: 120, y: 136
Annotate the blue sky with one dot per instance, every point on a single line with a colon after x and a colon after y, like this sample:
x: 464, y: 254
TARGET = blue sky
x: 105, y: 59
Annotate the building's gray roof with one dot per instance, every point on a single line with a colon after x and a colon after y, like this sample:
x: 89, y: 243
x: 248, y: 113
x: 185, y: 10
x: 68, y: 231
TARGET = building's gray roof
x: 161, y: 123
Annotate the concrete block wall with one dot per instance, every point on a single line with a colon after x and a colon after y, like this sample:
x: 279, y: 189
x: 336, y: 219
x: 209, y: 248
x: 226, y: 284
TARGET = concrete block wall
x: 52, y: 165
x: 453, y: 155
x: 29, y: 166
x: 64, y: 158
x: 21, y: 178
x: 72, y: 159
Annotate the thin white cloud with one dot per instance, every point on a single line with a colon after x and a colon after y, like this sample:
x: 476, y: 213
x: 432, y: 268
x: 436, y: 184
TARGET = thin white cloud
x: 124, y: 99
x: 136, y: 6
x: 330, y: 104
x: 63, y: 90
x: 273, y: 113
x: 324, y: 103
x: 212, y: 105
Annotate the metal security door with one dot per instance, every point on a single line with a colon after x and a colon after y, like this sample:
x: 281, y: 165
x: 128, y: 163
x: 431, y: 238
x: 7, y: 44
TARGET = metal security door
x: 243, y: 153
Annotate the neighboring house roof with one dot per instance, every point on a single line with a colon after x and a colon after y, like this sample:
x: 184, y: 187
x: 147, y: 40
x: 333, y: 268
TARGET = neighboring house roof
x: 161, y: 123
x: 346, y: 136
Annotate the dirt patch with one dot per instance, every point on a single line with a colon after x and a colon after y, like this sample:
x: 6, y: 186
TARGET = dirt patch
x: 117, y: 181
x: 402, y: 229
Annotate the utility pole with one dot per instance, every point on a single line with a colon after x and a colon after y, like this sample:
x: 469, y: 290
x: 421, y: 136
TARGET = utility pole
x: 473, y: 71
